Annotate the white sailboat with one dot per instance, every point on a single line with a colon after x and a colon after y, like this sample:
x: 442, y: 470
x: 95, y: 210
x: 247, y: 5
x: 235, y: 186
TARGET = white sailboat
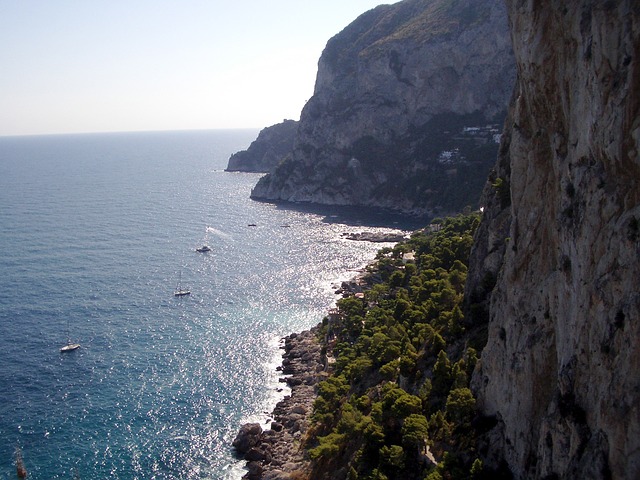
x: 180, y: 292
x: 69, y: 347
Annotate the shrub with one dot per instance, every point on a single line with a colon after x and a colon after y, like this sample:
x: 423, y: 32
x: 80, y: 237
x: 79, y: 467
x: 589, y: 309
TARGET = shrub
x: 329, y: 446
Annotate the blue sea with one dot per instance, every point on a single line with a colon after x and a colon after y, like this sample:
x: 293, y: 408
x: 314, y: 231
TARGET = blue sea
x: 96, y: 230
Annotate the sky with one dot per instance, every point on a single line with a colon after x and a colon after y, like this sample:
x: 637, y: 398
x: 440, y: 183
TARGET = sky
x: 72, y: 66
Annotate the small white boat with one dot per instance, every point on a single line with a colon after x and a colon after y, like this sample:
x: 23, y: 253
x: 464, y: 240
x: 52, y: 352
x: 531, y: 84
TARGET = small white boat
x: 180, y: 292
x: 70, y: 347
x: 205, y: 246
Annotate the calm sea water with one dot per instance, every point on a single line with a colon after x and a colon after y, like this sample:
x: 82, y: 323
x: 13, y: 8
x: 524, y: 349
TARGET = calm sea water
x: 95, y: 232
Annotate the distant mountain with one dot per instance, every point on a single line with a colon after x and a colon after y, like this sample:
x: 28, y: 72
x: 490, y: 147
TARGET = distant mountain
x: 407, y: 110
x: 266, y: 151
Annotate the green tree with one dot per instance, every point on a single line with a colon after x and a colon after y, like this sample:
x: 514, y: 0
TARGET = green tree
x: 456, y: 321
x: 439, y: 428
x: 408, y: 363
x: 406, y: 405
x: 331, y: 392
x: 470, y: 360
x: 437, y: 342
x: 434, y: 475
x: 392, y: 456
x: 459, y: 375
x: 442, y: 373
x: 404, y: 331
x: 415, y: 431
x: 351, y: 306
x: 389, y: 371
x: 425, y: 391
x: 377, y: 475
x: 357, y: 368
x: 476, y: 469
x: 396, y: 279
x: 460, y: 406
x: 383, y: 349
x: 373, y: 432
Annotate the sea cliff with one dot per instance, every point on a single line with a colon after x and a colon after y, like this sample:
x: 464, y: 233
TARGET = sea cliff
x: 406, y: 113
x: 264, y: 154
x: 560, y: 239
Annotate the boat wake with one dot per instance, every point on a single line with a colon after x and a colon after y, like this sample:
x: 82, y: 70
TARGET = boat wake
x: 219, y: 233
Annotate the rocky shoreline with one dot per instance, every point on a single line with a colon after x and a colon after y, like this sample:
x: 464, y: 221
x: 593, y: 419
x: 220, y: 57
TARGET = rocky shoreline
x: 376, y: 237
x: 278, y: 453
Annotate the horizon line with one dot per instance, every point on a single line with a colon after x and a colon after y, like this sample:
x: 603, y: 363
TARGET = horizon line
x: 106, y: 132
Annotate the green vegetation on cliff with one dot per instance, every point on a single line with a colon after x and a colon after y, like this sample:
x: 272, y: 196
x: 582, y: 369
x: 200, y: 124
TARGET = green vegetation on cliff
x: 398, y: 396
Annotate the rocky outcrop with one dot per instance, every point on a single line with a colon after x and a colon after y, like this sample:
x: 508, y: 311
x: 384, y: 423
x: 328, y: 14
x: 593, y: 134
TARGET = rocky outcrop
x: 560, y: 240
x: 376, y: 237
x: 267, y: 151
x: 279, y: 453
x: 408, y: 106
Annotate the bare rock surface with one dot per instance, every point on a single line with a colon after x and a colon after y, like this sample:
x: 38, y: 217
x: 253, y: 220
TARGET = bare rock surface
x: 561, y: 234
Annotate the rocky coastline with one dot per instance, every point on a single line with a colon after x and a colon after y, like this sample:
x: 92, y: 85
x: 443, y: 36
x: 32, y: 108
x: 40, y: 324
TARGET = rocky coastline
x: 376, y: 237
x: 278, y: 453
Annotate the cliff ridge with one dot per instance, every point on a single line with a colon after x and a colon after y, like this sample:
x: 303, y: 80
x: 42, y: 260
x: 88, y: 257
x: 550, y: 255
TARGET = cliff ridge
x: 407, y: 110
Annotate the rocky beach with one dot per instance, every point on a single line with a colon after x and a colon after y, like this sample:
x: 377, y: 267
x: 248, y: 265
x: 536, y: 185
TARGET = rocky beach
x: 278, y: 453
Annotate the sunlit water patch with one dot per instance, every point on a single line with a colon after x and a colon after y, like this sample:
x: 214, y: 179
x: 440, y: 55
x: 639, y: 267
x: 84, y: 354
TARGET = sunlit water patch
x: 96, y: 232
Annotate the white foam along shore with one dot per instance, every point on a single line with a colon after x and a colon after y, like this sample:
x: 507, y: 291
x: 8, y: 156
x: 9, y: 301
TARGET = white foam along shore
x: 278, y: 450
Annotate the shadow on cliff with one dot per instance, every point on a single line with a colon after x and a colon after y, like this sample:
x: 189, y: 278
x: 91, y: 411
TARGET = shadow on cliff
x: 357, y: 215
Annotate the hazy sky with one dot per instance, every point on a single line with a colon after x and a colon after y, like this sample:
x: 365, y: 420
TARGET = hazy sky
x: 120, y: 65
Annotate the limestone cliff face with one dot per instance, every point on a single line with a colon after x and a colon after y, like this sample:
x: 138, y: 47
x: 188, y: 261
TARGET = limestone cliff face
x: 408, y: 103
x: 560, y: 372
x: 267, y: 151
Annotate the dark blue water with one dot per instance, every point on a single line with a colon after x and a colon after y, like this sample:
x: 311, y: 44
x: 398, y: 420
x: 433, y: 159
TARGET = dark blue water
x: 95, y: 231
